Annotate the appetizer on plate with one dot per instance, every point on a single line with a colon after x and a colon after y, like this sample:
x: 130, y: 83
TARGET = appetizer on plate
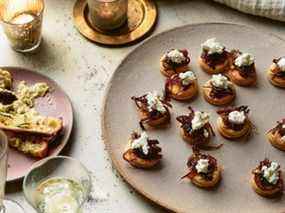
x: 28, y: 131
x: 196, y: 129
x: 153, y: 109
x: 214, y: 58
x: 267, y: 179
x: 219, y: 90
x: 142, y: 152
x: 242, y: 71
x: 204, y: 170
x: 233, y: 122
x: 276, y: 136
x: 182, y: 86
x: 276, y: 72
x: 174, y: 61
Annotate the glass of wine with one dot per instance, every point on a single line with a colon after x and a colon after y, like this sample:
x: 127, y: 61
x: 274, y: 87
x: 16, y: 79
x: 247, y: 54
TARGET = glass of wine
x: 6, y: 206
x: 57, y: 184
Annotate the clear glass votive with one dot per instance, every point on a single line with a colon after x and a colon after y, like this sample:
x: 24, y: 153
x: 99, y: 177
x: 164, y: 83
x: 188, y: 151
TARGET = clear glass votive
x: 108, y: 14
x: 22, y: 23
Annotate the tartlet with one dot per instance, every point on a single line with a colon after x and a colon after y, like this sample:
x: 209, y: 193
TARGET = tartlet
x: 182, y: 86
x: 267, y: 179
x: 142, y: 152
x: 276, y: 72
x: 214, y: 58
x: 276, y: 136
x: 204, y: 171
x: 242, y: 70
x: 153, y: 109
x: 174, y: 61
x: 195, y: 129
x: 233, y: 122
x: 219, y: 90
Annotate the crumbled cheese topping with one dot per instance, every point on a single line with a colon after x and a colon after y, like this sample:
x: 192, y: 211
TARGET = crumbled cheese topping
x: 220, y: 81
x: 283, y: 139
x: 237, y: 117
x: 141, y: 142
x: 187, y: 77
x: 202, y: 166
x: 213, y: 46
x: 271, y: 173
x: 206, y: 133
x: 245, y: 59
x: 199, y: 120
x: 176, y: 56
x: 154, y: 102
x: 281, y: 64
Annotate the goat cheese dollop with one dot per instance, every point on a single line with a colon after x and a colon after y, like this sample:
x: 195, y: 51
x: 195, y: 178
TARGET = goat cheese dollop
x: 187, y: 77
x: 199, y: 120
x: 141, y: 142
x: 175, y: 56
x: 245, y: 59
x: 271, y: 173
x: 237, y: 117
x: 281, y: 64
x: 202, y: 166
x: 220, y: 81
x: 213, y: 46
x: 154, y: 102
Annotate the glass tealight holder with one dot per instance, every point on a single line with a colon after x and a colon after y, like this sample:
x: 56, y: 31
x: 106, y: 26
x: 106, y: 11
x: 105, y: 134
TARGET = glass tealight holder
x: 107, y: 14
x: 50, y: 170
x: 22, y: 23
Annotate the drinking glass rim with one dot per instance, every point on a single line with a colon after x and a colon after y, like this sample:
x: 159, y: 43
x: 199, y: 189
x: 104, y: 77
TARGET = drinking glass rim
x: 38, y: 14
x: 43, y: 161
x: 5, y: 150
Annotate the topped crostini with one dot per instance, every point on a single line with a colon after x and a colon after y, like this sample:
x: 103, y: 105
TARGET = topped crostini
x: 276, y: 72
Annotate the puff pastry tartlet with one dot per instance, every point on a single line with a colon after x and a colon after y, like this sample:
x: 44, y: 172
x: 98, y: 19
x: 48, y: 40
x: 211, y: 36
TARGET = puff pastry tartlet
x: 174, y: 61
x: 276, y: 136
x: 219, y: 90
x: 242, y: 70
x: 214, y: 58
x: 196, y: 129
x: 233, y: 122
x: 153, y: 109
x: 267, y: 179
x: 142, y: 152
x: 182, y: 86
x: 203, y: 170
x: 276, y: 72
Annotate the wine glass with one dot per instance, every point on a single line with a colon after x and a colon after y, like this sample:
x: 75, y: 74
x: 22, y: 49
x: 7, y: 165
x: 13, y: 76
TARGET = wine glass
x: 57, y: 184
x: 6, y: 206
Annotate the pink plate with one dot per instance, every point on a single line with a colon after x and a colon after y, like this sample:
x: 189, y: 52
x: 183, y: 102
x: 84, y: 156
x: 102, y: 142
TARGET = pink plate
x: 56, y: 104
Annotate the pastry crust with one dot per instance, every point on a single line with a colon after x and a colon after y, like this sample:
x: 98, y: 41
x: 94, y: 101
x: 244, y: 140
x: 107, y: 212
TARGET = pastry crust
x: 274, y: 80
x: 138, y: 162
x: 233, y: 134
x: 177, y: 93
x: 198, y: 180
x: 165, y: 118
x: 169, y: 72
x: 264, y: 193
x: 236, y: 78
x: 218, y: 101
x: 191, y: 141
x: 218, y: 69
x: 275, y: 140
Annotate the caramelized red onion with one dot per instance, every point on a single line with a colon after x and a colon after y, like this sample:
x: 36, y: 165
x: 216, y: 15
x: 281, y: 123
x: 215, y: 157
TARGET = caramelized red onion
x: 213, y: 60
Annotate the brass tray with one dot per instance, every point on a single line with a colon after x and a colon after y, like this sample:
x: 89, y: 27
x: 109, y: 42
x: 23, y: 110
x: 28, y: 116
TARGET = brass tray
x: 142, y: 15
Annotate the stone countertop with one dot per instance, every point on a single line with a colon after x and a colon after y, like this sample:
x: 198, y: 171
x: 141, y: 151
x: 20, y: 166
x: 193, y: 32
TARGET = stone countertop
x: 84, y: 69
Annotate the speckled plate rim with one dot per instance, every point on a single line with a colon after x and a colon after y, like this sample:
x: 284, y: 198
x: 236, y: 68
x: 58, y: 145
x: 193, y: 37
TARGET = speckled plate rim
x: 69, y: 130
x: 138, y: 33
x: 103, y: 123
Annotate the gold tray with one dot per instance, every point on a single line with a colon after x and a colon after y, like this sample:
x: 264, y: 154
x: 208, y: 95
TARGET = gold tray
x: 142, y: 15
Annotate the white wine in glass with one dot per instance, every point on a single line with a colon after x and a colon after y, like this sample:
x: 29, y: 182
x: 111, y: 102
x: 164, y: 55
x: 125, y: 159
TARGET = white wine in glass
x: 6, y: 206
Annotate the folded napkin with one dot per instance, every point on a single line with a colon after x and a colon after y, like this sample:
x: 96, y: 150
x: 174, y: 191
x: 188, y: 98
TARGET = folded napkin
x: 274, y: 9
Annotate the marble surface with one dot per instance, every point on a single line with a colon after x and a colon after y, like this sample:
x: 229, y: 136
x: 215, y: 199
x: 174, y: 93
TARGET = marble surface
x: 84, y: 69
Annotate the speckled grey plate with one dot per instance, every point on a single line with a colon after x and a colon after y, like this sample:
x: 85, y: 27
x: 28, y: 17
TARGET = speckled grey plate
x: 139, y: 73
x: 56, y: 104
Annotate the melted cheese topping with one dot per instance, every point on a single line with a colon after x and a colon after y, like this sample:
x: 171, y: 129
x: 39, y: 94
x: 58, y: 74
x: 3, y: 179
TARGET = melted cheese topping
x: 141, y: 142
x: 202, y: 166
x: 199, y: 120
x: 187, y: 77
x: 213, y: 46
x: 237, y: 117
x: 245, y: 59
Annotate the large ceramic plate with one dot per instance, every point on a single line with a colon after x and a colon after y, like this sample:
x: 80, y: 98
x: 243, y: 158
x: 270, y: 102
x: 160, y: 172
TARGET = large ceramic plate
x: 56, y: 104
x: 139, y: 73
